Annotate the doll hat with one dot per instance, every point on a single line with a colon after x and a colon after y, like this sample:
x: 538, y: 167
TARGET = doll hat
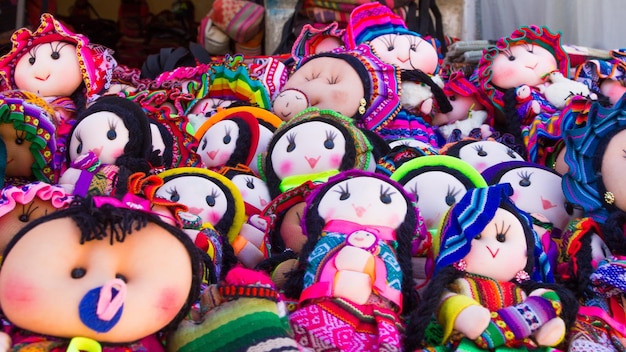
x: 582, y: 184
x: 32, y: 115
x: 371, y: 20
x: 528, y: 34
x: 457, y: 83
x: 467, y: 219
x: 310, y: 36
x: 381, y: 83
x: 96, y: 61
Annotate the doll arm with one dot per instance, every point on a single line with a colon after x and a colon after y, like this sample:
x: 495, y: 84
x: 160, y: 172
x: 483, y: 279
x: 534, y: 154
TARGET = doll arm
x: 463, y: 314
x: 249, y: 246
x: 5, y: 342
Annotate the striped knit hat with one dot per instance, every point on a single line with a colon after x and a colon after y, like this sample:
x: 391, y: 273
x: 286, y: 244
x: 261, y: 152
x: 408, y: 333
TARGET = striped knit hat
x: 584, y: 148
x: 467, y: 219
x: 371, y: 20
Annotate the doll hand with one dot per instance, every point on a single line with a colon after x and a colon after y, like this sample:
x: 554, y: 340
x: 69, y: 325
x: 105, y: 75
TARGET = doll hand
x: 427, y: 106
x: 258, y: 222
x: 551, y: 333
x: 5, y: 342
x: 535, y: 107
x: 472, y: 321
x: 68, y: 180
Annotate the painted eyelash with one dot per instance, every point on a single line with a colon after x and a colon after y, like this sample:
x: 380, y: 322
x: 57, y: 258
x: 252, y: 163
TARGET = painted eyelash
x: 291, y: 137
x: 624, y: 150
x: 389, y: 41
x: 452, y: 191
x: 27, y: 212
x: 344, y: 193
x: 313, y: 76
x: 215, y: 194
x: 510, y: 152
x: 112, y: 124
x: 331, y: 135
x: 525, y: 176
x: 333, y: 80
x: 499, y: 230
x: 414, y: 43
x: 172, y: 190
x: 529, y: 47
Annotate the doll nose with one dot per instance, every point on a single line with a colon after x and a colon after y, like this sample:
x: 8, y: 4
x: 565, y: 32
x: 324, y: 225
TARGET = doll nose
x: 112, y: 296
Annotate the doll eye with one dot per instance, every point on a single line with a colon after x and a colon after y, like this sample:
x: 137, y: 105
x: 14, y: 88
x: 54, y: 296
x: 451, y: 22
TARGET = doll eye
x: 227, y: 138
x: 27, y: 212
x: 344, y: 193
x: 19, y: 137
x: 55, y: 55
x: 121, y: 277
x: 333, y: 80
x: 451, y: 196
x: 477, y: 237
x: 415, y: 43
x: 250, y: 182
x: 524, y: 178
x: 501, y: 233
x: 77, y: 273
x: 329, y: 142
x: 529, y: 47
x: 388, y: 40
x: 510, y: 152
x: 204, y: 143
x: 313, y: 76
x: 174, y: 196
x: 385, y: 195
x: 480, y: 150
x: 210, y: 199
x: 291, y: 138
x: 111, y: 134
x: 79, y: 148
x: 452, y: 98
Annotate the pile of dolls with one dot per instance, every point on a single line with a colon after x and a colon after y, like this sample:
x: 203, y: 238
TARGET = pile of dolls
x: 360, y: 195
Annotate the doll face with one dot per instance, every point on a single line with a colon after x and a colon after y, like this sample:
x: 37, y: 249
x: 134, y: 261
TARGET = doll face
x: 265, y: 136
x: 382, y: 204
x: 253, y: 190
x: 206, y: 108
x: 406, y: 51
x: 49, y: 69
x: 522, y: 64
x: 308, y: 148
x: 54, y: 285
x: 291, y: 228
x: 613, y: 163
x: 483, y: 154
x: 201, y: 196
x: 461, y: 106
x: 102, y: 133
x: 19, y: 157
x: 435, y: 192
x: 20, y: 216
x: 537, y: 190
x: 218, y: 143
x: 499, y: 251
x: 612, y: 89
x: 324, y: 82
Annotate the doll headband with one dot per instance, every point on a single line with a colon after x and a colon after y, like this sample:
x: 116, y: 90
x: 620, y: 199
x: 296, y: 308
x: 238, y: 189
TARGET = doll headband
x: 96, y: 61
x: 24, y: 194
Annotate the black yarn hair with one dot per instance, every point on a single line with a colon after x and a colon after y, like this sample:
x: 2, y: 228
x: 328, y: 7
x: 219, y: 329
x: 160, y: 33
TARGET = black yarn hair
x: 314, y: 224
x: 578, y: 281
x: 243, y: 146
x: 420, y: 76
x: 512, y: 120
x: 347, y: 162
x: 380, y: 147
x: 226, y: 221
x: 114, y: 224
x: 430, y: 299
x: 167, y: 155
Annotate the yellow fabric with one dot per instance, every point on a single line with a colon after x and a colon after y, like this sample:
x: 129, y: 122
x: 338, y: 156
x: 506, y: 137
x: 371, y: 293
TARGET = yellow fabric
x: 449, y: 310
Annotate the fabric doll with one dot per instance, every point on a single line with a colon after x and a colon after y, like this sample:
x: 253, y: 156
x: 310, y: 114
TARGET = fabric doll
x: 355, y: 274
x: 313, y: 40
x: 418, y: 59
x: 313, y: 145
x: 245, y: 312
x: 526, y: 76
x: 121, y: 293
x: 228, y: 139
x: 215, y: 209
x: 354, y: 83
x: 110, y: 140
x: 250, y: 245
x: 268, y: 124
x: 28, y: 138
x: 60, y: 66
x: 223, y: 85
x: 481, y: 154
x: 605, y: 78
x: 470, y: 108
x: 487, y: 291
x: 171, y: 141
x: 19, y: 205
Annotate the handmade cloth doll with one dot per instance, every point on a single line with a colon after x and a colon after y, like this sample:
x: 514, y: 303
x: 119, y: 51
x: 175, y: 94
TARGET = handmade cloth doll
x: 354, y: 83
x: 312, y: 40
x: 19, y: 205
x: 228, y: 138
x: 96, y: 275
x: 470, y: 108
x: 312, y: 146
x: 604, y: 77
x: 487, y: 291
x: 60, y: 66
x: 354, y: 274
x: 28, y: 138
x: 109, y: 141
x: 481, y: 154
x: 245, y: 312
x: 250, y: 245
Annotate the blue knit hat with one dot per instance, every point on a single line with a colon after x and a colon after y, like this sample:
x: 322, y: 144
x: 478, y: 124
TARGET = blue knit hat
x: 466, y: 219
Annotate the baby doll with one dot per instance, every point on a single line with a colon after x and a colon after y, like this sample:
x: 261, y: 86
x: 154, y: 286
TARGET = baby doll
x: 110, y: 140
x: 354, y: 274
x: 27, y: 135
x: 487, y: 283
x: 312, y: 146
x: 95, y: 274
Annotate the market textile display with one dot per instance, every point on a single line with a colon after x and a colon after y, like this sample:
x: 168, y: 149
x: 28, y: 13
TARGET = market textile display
x: 363, y: 192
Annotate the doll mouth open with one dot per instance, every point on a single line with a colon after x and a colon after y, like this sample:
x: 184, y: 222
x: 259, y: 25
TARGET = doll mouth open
x: 493, y: 254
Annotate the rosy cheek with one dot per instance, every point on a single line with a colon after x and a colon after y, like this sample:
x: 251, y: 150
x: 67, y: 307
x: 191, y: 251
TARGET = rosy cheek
x: 168, y: 303
x: 514, y: 196
x: 223, y: 158
x: 328, y: 214
x: 393, y: 220
x: 480, y: 166
x: 335, y: 161
x: 214, y: 217
x: 285, y: 167
x: 117, y: 152
x: 18, y: 292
